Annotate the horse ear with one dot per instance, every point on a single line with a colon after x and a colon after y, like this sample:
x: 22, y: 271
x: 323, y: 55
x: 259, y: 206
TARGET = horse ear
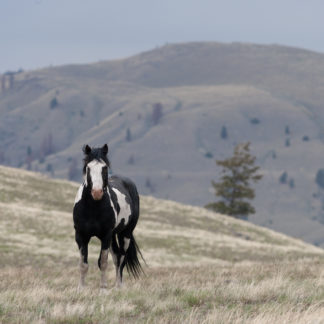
x: 86, y: 149
x: 105, y: 149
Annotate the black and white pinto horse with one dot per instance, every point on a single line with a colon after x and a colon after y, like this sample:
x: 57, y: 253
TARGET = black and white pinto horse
x: 107, y: 208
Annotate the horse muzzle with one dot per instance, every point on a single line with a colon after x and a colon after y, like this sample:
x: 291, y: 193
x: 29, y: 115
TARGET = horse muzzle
x: 97, y: 194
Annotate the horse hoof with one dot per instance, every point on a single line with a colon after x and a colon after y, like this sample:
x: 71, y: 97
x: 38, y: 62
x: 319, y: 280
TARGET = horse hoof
x: 119, y: 286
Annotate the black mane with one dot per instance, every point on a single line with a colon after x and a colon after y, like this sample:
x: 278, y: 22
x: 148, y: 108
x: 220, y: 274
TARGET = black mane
x: 96, y: 153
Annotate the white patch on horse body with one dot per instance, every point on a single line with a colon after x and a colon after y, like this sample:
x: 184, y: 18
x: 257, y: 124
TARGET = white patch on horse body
x: 112, y: 206
x: 79, y: 194
x: 126, y: 243
x: 95, y: 168
x: 125, y: 210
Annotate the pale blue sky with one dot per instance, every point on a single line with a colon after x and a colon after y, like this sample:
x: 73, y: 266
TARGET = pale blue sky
x: 38, y: 33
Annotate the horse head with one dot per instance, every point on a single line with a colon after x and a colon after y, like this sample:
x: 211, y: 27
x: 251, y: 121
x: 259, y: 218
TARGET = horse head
x: 95, y: 170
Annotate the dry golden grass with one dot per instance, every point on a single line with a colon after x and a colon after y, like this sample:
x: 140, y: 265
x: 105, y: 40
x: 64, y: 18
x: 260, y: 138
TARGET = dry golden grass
x: 202, y: 267
x: 239, y: 293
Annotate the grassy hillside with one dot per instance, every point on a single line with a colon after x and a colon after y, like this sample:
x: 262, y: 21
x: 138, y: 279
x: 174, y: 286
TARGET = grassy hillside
x: 269, y: 95
x: 202, y: 267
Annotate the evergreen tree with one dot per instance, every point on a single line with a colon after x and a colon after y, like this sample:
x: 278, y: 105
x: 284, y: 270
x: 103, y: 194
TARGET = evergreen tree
x: 224, y: 134
x: 157, y: 113
x: 128, y: 135
x: 234, y: 187
x: 53, y: 103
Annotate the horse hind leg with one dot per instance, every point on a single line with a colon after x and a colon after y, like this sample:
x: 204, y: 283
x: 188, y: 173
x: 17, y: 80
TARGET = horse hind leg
x: 118, y: 254
x: 103, y: 265
x: 124, y: 244
x: 114, y: 251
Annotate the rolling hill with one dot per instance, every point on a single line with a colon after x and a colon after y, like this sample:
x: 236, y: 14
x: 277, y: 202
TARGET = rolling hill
x: 201, y: 266
x: 162, y: 113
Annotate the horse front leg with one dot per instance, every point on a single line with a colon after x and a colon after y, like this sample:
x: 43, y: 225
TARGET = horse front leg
x: 103, y: 260
x: 83, y: 248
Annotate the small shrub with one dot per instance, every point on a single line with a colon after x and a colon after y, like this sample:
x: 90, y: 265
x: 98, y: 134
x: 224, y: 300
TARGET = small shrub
x: 131, y: 160
x: 157, y: 113
x: 320, y: 178
x: 283, y: 178
x: 128, y: 135
x: 255, y: 121
x: 178, y: 106
x: 209, y: 155
x: 287, y: 130
x: 224, y: 134
x: 53, y: 103
x: 287, y: 143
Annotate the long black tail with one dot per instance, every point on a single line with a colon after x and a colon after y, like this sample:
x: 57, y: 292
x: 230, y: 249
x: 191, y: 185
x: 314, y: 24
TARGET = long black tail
x: 132, y: 262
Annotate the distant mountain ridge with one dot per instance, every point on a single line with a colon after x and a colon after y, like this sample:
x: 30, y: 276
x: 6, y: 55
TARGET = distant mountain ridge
x: 162, y: 113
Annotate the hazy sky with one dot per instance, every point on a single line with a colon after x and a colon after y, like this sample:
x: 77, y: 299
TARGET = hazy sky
x: 38, y: 33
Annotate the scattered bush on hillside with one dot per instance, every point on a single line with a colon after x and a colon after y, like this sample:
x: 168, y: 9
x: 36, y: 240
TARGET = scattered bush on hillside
x: 128, y: 135
x: 157, y: 113
x: 2, y: 157
x: 3, y: 83
x: 287, y: 130
x: 320, y: 178
x: 53, y: 103
x: 149, y: 185
x: 209, y: 155
x: 287, y: 143
x: 283, y: 178
x: 224, y: 133
x: 47, y: 146
x: 178, y: 106
x: 131, y: 160
x: 29, y: 157
x: 306, y: 138
x: 8, y: 79
x: 50, y: 169
x: 274, y: 154
x: 234, y: 186
x: 29, y: 151
x: 73, y: 172
x: 255, y: 121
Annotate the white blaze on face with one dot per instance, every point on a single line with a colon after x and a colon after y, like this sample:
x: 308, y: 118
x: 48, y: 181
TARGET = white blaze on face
x: 95, y: 169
